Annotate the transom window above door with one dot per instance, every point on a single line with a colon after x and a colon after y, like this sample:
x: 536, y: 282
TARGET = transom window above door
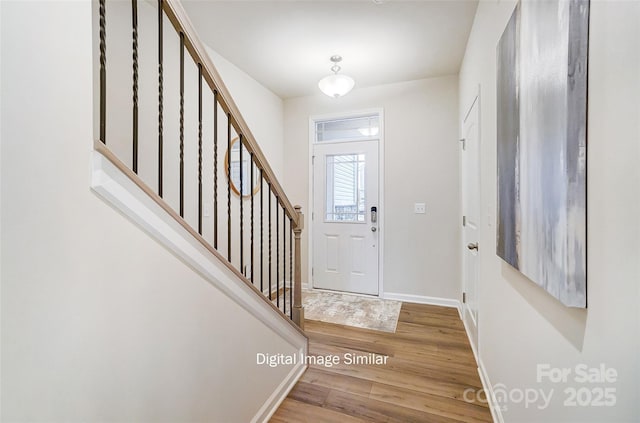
x: 348, y: 129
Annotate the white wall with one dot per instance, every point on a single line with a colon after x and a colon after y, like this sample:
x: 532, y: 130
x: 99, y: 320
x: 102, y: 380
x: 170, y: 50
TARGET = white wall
x: 262, y: 110
x: 264, y: 113
x: 99, y: 322
x: 520, y: 325
x: 421, y: 165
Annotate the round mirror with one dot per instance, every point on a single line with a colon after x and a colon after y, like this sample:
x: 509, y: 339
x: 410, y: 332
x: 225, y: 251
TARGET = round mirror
x: 237, y: 169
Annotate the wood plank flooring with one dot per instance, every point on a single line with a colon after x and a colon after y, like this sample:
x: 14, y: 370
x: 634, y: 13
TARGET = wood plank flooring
x: 429, y: 366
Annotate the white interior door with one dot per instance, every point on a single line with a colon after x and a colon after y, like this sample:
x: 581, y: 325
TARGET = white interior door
x: 471, y: 219
x: 345, y: 230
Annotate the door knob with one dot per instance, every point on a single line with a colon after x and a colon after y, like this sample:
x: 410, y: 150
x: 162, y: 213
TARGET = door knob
x: 373, y: 229
x: 473, y: 246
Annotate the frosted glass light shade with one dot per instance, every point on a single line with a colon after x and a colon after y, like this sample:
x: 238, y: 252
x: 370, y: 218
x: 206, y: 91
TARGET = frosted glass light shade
x: 336, y: 85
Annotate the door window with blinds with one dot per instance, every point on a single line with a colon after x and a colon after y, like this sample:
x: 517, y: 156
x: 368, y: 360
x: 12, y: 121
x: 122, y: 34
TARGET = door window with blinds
x: 345, y: 190
x: 345, y: 173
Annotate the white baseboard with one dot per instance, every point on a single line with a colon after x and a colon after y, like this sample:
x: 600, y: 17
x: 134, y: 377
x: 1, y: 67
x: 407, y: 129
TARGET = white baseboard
x: 496, y: 414
x: 476, y: 355
x: 273, y: 402
x: 422, y: 299
x: 283, y: 285
x: 494, y: 407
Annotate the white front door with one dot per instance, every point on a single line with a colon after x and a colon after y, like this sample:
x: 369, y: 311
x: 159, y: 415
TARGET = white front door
x: 471, y: 219
x: 345, y: 225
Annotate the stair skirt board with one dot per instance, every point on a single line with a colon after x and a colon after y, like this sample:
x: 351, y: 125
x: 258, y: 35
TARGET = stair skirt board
x: 115, y: 188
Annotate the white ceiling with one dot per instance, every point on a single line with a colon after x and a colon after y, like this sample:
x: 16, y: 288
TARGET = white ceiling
x: 286, y: 45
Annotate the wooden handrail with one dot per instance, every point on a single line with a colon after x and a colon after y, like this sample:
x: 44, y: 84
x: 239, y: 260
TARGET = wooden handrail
x: 182, y: 24
x: 206, y: 70
x: 109, y: 155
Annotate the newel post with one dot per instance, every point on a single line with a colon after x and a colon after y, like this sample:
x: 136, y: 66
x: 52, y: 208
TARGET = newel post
x: 298, y: 310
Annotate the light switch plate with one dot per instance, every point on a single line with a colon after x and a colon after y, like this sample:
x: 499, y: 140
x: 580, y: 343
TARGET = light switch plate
x: 419, y: 208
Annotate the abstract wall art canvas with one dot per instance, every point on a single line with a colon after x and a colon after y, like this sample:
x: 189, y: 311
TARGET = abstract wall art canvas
x: 541, y: 145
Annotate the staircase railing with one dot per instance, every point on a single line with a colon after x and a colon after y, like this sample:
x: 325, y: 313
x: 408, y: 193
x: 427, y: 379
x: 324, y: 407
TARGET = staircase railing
x: 265, y: 258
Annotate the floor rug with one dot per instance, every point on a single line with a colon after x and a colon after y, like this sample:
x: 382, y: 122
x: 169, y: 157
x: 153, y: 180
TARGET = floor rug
x: 351, y: 310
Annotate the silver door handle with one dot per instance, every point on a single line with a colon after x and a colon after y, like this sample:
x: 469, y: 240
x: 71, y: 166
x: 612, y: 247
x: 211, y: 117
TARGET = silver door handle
x: 473, y: 246
x: 373, y: 229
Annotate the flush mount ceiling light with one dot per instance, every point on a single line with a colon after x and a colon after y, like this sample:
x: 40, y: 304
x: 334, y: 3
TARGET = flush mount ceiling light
x: 336, y: 85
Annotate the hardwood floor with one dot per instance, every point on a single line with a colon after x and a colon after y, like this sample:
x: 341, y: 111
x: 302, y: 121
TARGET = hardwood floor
x: 429, y: 366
